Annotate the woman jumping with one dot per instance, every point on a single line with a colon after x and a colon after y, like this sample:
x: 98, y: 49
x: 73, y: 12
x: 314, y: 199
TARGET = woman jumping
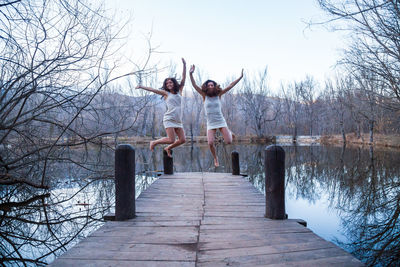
x: 171, y: 92
x: 211, y: 93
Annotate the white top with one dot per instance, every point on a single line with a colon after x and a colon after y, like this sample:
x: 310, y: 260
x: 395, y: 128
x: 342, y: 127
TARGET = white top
x: 215, y: 119
x: 173, y: 115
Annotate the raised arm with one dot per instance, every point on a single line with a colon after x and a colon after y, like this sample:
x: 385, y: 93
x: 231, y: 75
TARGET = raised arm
x: 198, y: 89
x: 183, y: 76
x: 156, y: 91
x: 231, y: 85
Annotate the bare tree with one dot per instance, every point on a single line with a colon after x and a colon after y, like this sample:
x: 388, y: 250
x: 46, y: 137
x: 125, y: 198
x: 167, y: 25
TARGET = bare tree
x: 193, y: 110
x: 54, y: 61
x: 374, y: 26
x: 306, y: 89
x: 291, y: 108
x: 336, y: 98
x: 229, y: 109
x: 255, y: 102
x: 366, y: 99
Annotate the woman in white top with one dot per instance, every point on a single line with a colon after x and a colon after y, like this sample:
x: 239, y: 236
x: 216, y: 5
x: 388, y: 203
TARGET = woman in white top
x: 211, y: 93
x: 171, y: 92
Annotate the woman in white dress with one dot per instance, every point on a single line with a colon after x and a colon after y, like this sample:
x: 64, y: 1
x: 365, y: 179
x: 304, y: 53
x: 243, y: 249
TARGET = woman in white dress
x: 211, y: 93
x: 172, y: 94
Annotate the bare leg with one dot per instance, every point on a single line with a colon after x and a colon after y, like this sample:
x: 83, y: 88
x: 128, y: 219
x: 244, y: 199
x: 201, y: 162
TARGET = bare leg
x: 227, y: 135
x: 181, y: 140
x: 165, y: 140
x: 210, y: 139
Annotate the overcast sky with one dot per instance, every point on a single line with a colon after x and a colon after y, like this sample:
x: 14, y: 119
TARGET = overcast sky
x: 223, y: 36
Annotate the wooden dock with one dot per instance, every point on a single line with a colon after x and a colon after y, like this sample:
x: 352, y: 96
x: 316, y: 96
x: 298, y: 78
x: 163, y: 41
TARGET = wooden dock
x: 204, y: 219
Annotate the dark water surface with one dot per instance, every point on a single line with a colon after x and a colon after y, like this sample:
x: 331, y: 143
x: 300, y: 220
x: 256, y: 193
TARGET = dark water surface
x: 350, y: 196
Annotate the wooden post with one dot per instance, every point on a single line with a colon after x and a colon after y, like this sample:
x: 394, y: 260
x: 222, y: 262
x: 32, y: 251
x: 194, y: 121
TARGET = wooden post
x: 275, y: 182
x: 124, y: 182
x: 168, y: 163
x: 235, y: 163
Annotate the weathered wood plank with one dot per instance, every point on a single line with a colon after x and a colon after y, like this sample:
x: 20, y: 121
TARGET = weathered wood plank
x: 136, y: 252
x: 282, y: 238
x: 121, y: 263
x: 159, y: 223
x: 263, y: 250
x: 318, y: 256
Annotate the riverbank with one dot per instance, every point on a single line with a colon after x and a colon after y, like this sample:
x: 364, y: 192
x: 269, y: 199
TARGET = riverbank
x: 379, y: 140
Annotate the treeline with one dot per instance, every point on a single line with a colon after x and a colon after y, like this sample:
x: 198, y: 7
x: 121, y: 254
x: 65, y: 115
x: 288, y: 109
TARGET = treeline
x: 354, y: 104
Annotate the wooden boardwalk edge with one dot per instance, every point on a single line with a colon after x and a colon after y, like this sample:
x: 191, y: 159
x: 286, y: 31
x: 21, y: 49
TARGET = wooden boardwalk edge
x: 203, y: 219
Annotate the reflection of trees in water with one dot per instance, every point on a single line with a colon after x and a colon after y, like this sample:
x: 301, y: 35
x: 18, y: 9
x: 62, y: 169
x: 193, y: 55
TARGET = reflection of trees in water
x: 252, y: 163
x: 369, y: 203
x: 363, y: 185
x: 301, y: 172
x: 38, y: 225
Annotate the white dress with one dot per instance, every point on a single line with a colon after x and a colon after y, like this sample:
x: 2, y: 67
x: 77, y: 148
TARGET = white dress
x: 215, y: 119
x: 173, y: 115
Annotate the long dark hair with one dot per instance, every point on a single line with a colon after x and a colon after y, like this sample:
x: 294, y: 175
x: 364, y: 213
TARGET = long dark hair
x: 217, y: 88
x: 176, y: 85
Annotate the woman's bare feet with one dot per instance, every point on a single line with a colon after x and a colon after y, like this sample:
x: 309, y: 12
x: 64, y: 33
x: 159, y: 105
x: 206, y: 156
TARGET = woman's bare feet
x: 152, y: 145
x: 168, y: 152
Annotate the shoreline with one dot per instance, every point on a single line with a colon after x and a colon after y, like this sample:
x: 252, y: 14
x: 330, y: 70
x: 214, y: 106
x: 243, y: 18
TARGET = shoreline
x: 389, y: 141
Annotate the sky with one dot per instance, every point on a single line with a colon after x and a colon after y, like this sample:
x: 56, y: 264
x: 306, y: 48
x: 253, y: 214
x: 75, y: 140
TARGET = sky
x: 223, y: 36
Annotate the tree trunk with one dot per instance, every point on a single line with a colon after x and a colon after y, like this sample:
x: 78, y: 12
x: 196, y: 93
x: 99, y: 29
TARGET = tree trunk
x: 153, y: 129
x: 371, y: 131
x: 191, y: 132
x: 358, y: 130
x: 143, y: 133
x: 342, y: 129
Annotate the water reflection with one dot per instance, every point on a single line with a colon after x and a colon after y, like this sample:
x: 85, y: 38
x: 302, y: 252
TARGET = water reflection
x: 36, y: 226
x: 347, y: 195
x: 362, y: 186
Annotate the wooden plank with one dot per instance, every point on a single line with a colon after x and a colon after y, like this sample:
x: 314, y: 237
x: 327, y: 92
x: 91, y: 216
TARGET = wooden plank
x: 61, y: 262
x: 203, y: 219
x: 239, y: 224
x: 319, y: 256
x: 282, y: 238
x: 136, y: 252
x: 263, y: 250
x: 137, y: 223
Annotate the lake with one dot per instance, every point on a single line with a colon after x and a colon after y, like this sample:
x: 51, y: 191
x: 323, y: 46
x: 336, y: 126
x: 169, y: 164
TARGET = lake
x: 347, y: 195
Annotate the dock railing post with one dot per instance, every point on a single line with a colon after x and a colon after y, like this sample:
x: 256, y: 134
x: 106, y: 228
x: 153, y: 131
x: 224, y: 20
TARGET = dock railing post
x: 124, y: 182
x: 275, y: 182
x: 235, y: 163
x: 168, y: 163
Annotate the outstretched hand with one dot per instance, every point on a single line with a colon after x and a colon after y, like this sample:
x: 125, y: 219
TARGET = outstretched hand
x: 241, y: 75
x: 183, y: 61
x: 138, y: 86
x: 191, y: 69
